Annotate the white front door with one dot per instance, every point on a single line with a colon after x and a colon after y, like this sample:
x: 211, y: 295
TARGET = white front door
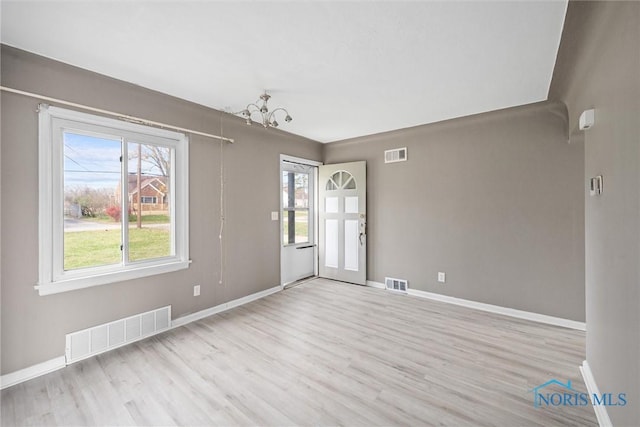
x: 342, y: 190
x: 299, y: 251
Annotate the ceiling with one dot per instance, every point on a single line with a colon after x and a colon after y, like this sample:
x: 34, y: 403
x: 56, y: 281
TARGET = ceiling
x: 342, y: 69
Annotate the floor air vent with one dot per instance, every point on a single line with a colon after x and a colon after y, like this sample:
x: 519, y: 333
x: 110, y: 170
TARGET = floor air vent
x: 397, y: 285
x: 395, y: 155
x: 96, y: 340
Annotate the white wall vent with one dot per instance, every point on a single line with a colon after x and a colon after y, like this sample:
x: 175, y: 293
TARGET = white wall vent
x: 101, y: 338
x: 395, y: 155
x: 398, y: 285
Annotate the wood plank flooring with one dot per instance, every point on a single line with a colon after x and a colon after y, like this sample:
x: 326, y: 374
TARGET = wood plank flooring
x: 322, y: 353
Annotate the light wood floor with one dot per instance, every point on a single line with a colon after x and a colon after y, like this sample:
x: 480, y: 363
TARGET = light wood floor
x: 322, y: 353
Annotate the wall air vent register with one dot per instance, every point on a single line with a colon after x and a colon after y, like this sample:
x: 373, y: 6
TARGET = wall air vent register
x: 395, y: 155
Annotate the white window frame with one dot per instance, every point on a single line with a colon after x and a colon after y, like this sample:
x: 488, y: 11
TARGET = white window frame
x: 52, y: 277
x: 302, y: 170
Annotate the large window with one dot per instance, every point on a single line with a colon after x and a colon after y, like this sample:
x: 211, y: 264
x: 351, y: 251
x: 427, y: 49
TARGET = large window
x: 113, y: 200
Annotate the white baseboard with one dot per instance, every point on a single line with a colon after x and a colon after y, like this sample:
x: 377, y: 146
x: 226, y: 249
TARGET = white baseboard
x: 43, y: 368
x: 592, y: 388
x: 180, y: 321
x: 520, y: 314
x: 373, y: 284
x: 33, y: 371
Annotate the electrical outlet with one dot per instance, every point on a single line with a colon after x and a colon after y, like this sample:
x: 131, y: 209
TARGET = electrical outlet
x: 196, y: 290
x: 441, y: 277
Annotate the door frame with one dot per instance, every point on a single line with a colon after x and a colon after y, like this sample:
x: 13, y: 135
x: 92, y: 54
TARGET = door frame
x: 314, y: 164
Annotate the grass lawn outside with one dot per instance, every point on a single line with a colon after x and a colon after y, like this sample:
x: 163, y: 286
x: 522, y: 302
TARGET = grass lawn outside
x: 146, y: 219
x: 102, y: 247
x: 301, y: 226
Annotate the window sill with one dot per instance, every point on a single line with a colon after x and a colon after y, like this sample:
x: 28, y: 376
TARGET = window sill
x: 66, y: 285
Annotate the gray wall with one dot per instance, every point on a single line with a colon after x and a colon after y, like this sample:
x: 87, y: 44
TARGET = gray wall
x: 33, y: 327
x: 598, y: 66
x: 494, y: 200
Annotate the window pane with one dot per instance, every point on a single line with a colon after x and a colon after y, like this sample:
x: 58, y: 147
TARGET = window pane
x: 148, y: 198
x: 302, y: 226
x: 302, y: 190
x: 295, y: 190
x: 287, y: 181
x: 295, y: 195
x: 295, y: 226
x: 285, y: 228
x: 92, y: 218
x: 337, y: 178
x: 350, y: 184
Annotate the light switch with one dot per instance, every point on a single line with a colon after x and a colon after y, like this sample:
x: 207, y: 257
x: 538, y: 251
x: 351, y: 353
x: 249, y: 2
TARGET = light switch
x: 274, y: 216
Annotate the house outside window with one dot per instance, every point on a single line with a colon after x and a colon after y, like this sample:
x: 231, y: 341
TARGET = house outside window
x: 89, y: 233
x: 153, y: 192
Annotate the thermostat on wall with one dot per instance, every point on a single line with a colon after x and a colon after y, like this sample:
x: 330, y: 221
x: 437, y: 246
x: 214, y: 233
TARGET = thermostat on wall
x: 587, y: 119
x: 595, y: 188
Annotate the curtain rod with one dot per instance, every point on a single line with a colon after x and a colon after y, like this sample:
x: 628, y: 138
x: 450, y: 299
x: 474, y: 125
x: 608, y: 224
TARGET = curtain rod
x: 120, y: 116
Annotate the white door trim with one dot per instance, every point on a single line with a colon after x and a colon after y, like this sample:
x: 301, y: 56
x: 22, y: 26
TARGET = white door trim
x: 307, y: 162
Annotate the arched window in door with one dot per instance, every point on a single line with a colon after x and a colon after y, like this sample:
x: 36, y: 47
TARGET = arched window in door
x: 341, y: 180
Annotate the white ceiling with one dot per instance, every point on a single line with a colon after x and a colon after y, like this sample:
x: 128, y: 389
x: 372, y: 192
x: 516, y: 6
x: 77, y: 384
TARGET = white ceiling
x: 342, y: 69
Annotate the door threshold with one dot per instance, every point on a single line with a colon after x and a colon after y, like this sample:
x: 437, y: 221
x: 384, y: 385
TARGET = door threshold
x: 298, y: 282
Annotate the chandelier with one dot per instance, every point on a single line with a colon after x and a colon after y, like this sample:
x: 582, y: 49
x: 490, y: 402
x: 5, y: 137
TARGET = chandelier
x: 266, y: 118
